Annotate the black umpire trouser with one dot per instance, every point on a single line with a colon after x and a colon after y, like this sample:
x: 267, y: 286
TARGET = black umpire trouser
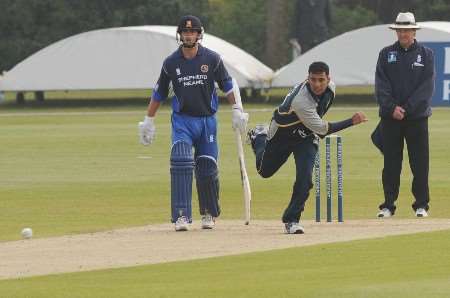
x: 415, y: 132
x: 272, y: 154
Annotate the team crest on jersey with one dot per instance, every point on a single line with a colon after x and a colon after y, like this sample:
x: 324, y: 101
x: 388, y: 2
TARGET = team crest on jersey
x: 178, y: 71
x: 204, y: 68
x: 392, y: 57
x: 418, y: 61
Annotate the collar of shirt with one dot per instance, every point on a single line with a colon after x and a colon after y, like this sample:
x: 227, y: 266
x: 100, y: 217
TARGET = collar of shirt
x: 317, y: 98
x: 402, y: 49
x: 200, y: 52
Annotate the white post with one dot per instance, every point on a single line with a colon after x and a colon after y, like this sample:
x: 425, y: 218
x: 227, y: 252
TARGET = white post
x: 447, y: 61
x: 446, y: 90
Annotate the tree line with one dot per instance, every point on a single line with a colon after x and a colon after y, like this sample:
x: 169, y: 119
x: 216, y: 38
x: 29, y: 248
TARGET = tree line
x: 267, y: 29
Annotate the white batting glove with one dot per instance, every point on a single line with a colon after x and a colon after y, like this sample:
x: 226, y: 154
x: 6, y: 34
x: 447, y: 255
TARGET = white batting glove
x: 147, y: 131
x: 239, y: 119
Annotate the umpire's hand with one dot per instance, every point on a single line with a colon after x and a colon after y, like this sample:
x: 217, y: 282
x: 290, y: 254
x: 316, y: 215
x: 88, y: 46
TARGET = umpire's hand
x: 399, y: 113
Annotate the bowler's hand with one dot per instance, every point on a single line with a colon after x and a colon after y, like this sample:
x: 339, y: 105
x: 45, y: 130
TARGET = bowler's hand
x: 359, y: 117
x: 147, y: 131
x: 399, y: 113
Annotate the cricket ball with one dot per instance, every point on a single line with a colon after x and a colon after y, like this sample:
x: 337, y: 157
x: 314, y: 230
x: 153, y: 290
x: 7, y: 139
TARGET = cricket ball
x: 27, y: 233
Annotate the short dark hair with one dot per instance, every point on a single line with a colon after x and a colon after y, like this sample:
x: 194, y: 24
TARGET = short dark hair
x: 319, y: 67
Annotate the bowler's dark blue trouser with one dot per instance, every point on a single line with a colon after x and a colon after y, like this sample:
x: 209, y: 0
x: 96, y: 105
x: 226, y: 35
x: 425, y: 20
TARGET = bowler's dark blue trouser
x: 272, y: 154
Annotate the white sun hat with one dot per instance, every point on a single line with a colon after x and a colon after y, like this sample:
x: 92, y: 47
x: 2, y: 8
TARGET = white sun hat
x: 405, y: 20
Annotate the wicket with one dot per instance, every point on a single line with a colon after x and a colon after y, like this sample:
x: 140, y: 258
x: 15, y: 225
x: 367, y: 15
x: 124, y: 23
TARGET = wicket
x: 329, y: 179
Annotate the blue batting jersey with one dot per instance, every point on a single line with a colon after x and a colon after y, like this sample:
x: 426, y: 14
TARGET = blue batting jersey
x: 193, y: 82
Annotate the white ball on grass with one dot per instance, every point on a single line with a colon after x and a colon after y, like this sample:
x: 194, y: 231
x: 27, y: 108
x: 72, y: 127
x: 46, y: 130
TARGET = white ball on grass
x: 27, y: 233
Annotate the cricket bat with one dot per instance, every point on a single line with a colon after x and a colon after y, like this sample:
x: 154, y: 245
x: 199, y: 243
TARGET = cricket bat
x: 244, y: 177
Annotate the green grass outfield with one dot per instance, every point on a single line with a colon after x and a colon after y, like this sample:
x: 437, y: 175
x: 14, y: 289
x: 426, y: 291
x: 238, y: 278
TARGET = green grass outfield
x: 74, y: 171
x: 66, y: 171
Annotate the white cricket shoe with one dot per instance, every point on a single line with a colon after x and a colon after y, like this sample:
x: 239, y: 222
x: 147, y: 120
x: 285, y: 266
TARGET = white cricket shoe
x: 260, y: 129
x: 294, y: 228
x: 384, y: 213
x: 421, y: 212
x: 182, y: 224
x: 208, y: 222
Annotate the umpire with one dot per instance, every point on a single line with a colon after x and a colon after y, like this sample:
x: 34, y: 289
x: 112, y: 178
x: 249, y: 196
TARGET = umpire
x: 404, y: 85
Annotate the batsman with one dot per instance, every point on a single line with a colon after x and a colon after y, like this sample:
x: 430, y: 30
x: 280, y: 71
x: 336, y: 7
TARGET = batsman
x: 192, y: 71
x: 294, y: 129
